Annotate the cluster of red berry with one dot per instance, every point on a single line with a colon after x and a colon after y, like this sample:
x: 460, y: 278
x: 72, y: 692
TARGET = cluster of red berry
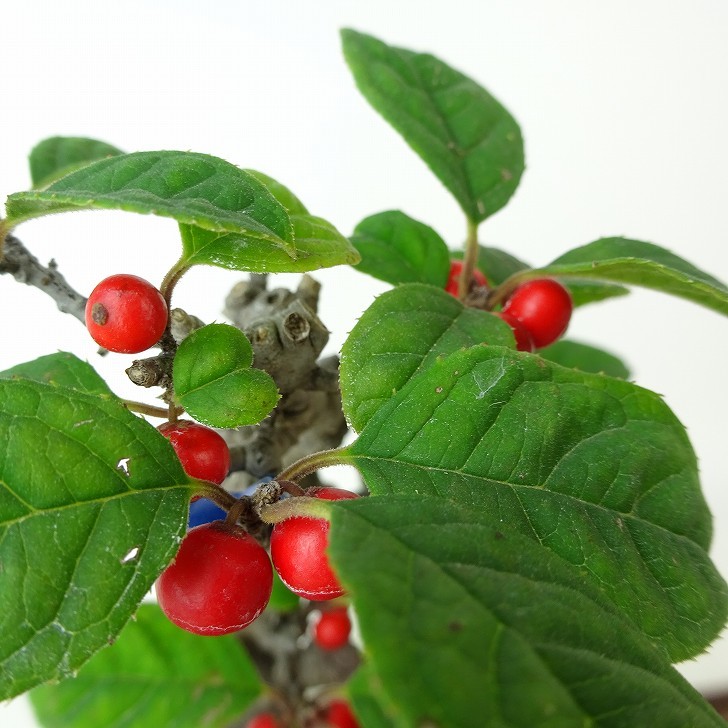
x: 221, y: 578
x: 538, y: 311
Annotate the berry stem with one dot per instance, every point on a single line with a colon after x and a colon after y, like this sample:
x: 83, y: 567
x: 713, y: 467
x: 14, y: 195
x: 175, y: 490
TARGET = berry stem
x: 171, y: 279
x: 151, y: 410
x: 301, y: 506
x: 216, y: 494
x: 470, y: 260
x: 313, y: 462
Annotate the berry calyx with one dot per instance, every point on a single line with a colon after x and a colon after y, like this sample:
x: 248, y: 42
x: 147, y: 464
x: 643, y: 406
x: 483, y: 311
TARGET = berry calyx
x: 263, y: 720
x: 298, y: 551
x: 338, y: 714
x: 524, y: 342
x: 204, y: 454
x: 453, y: 279
x: 126, y: 314
x: 219, y: 582
x: 544, y: 308
x: 331, y: 631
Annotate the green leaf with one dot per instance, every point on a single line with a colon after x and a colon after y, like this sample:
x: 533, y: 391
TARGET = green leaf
x: 401, y: 333
x: 587, y: 358
x: 93, y: 503
x: 195, y: 189
x: 214, y: 382
x: 398, y: 249
x: 596, y: 469
x: 641, y: 264
x: 370, y: 702
x: 498, y: 266
x: 464, y: 135
x: 293, y: 205
x: 58, y: 156
x: 61, y: 370
x: 500, y: 631
x: 318, y: 243
x: 154, y: 675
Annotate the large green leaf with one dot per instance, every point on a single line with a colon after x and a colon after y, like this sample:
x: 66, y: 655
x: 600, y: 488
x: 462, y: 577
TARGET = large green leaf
x: 214, y: 381
x: 463, y: 134
x: 318, y: 243
x: 370, y: 701
x: 587, y: 358
x: 61, y: 369
x: 402, y: 332
x: 57, y: 156
x: 493, y: 629
x: 398, y: 249
x: 154, y: 675
x: 93, y: 502
x: 195, y: 189
x: 640, y: 264
x: 596, y: 469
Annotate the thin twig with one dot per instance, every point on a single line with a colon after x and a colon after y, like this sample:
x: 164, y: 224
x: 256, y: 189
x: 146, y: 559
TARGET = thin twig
x: 19, y: 262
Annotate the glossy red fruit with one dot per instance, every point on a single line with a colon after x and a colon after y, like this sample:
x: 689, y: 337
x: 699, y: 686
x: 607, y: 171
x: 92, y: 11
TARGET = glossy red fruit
x: 544, y: 307
x: 219, y: 582
x: 204, y: 454
x: 338, y: 714
x: 263, y: 720
x: 298, y: 550
x: 331, y: 631
x: 524, y: 342
x: 453, y: 280
x: 126, y: 314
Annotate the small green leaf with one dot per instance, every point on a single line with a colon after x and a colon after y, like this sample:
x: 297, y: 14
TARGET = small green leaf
x: 56, y: 157
x: 398, y: 249
x: 465, y: 136
x: 318, y: 243
x: 640, y: 264
x: 154, y: 675
x: 497, y: 264
x: 502, y: 631
x: 214, y: 382
x: 596, y: 469
x: 93, y: 503
x: 586, y: 358
x: 195, y: 189
x: 293, y: 205
x: 401, y: 333
x: 61, y: 370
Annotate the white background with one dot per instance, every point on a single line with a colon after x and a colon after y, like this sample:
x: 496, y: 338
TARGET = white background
x: 623, y: 107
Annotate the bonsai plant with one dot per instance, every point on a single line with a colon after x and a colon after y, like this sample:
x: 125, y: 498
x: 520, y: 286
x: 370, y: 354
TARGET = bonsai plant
x: 528, y: 543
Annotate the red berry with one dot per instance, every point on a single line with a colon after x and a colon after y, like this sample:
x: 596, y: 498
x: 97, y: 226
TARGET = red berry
x: 264, y: 720
x: 338, y: 714
x: 544, y: 307
x: 126, y: 314
x: 219, y: 582
x: 331, y: 631
x: 453, y: 280
x: 298, y: 550
x: 203, y: 453
x: 524, y: 342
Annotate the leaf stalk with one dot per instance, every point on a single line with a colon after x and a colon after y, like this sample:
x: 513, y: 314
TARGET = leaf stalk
x: 470, y: 260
